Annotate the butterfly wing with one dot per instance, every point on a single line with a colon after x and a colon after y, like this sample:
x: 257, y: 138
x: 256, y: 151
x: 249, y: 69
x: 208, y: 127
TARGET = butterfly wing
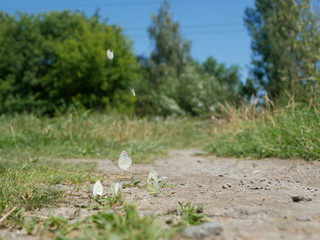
x: 110, y: 54
x: 153, y: 176
x: 124, y: 161
x: 153, y: 188
x: 116, y: 188
x: 97, y: 189
x: 133, y: 92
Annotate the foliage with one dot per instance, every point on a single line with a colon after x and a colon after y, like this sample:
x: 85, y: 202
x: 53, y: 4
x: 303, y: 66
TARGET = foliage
x: 96, y: 135
x: 190, y: 214
x: 53, y: 60
x: 30, y: 183
x: 123, y: 223
x: 285, y: 44
x: 283, y: 133
x: 173, y: 84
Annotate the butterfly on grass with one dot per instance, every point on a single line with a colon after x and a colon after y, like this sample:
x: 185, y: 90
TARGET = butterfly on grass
x: 97, y: 189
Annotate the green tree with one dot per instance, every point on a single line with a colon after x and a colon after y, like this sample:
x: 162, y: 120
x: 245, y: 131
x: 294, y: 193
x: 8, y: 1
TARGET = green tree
x: 58, y: 59
x: 173, y: 83
x: 229, y: 77
x: 285, y: 44
x: 170, y: 50
x: 170, y: 56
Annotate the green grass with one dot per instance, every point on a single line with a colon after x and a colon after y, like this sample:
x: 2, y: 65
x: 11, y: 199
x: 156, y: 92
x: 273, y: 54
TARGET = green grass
x: 31, y: 183
x: 282, y: 134
x: 96, y: 136
x: 31, y: 149
x: 107, y: 224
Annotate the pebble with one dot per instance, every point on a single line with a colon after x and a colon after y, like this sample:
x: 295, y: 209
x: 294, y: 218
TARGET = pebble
x: 204, y: 230
x: 303, y: 218
x: 224, y: 186
x: 300, y: 198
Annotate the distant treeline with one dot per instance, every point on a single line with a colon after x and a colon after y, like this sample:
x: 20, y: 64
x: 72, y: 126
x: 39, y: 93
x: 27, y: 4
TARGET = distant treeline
x: 55, y: 61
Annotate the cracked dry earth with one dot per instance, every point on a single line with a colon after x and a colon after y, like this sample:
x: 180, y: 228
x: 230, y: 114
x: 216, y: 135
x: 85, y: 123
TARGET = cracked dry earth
x: 249, y: 199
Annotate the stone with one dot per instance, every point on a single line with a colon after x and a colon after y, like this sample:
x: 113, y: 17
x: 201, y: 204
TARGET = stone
x: 204, y: 230
x: 303, y: 218
x: 300, y: 198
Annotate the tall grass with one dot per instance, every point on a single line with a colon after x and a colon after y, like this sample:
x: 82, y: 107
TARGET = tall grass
x: 284, y: 133
x: 93, y: 135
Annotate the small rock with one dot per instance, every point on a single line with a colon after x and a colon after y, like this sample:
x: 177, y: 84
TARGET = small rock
x: 256, y: 188
x: 203, y: 230
x: 220, y: 175
x: 303, y: 218
x: 242, y: 182
x: 300, y: 198
x: 224, y: 186
x: 228, y: 184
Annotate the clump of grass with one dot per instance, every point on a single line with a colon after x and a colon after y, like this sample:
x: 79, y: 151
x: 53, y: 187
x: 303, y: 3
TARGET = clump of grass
x: 32, y: 183
x: 282, y: 133
x: 106, y: 224
x: 190, y: 214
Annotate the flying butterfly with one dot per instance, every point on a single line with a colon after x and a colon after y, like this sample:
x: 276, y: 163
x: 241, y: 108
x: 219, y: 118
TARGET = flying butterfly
x: 133, y: 92
x: 124, y: 161
x: 110, y: 54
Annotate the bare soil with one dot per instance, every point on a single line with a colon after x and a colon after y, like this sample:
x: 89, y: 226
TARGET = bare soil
x: 252, y: 199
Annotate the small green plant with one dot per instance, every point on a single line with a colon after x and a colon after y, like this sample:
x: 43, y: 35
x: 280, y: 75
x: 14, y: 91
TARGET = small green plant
x: 190, y: 214
x: 106, y: 224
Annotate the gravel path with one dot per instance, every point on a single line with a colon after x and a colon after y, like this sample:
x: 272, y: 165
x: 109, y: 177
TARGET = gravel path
x: 245, y: 199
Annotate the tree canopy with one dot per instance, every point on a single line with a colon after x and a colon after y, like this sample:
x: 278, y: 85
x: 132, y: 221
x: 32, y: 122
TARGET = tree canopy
x: 285, y: 44
x: 53, y: 60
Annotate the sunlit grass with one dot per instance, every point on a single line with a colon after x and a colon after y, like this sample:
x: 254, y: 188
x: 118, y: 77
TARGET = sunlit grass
x: 283, y: 133
x: 31, y: 183
x: 97, y: 136
x: 32, y: 149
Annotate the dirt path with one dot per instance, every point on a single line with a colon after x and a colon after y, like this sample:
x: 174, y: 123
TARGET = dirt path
x: 250, y: 199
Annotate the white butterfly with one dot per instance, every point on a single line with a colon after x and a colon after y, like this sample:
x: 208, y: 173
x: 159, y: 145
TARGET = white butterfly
x: 110, y: 54
x: 124, y: 161
x: 97, y: 189
x: 116, y: 188
x: 153, y: 187
x: 133, y: 92
x: 153, y: 176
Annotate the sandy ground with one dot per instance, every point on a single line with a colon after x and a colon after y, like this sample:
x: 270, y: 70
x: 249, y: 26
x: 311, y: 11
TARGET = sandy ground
x: 250, y: 199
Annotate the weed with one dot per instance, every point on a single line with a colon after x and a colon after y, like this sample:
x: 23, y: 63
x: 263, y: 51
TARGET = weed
x: 190, y: 214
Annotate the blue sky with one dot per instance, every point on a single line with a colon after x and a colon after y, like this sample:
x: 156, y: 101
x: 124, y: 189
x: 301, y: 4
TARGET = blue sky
x: 215, y: 27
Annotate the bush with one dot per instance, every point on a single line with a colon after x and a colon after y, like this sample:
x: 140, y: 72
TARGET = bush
x: 51, y: 61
